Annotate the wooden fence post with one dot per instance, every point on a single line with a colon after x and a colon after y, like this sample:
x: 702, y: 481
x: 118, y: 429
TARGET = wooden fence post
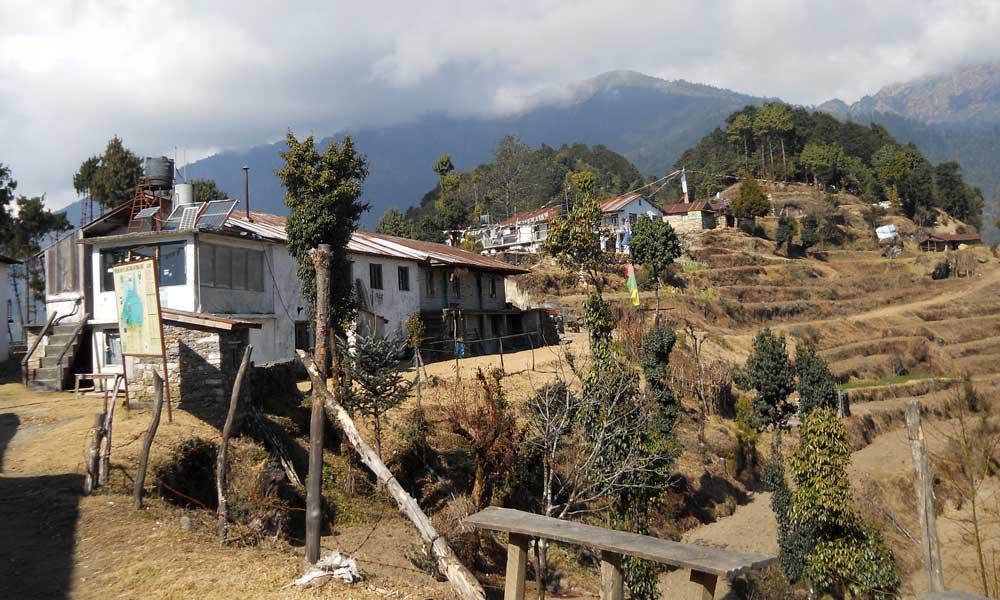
x: 314, y: 481
x: 922, y: 481
x: 109, y: 418
x: 612, y: 581
x: 221, y: 483
x: 154, y: 423
x: 502, y: 368
x: 94, y: 455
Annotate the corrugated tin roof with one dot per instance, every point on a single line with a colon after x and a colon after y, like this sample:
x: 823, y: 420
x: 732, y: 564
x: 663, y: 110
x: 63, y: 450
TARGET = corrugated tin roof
x: 265, y: 225
x: 956, y: 237
x: 681, y: 208
x: 618, y: 202
x: 531, y: 216
x: 386, y: 245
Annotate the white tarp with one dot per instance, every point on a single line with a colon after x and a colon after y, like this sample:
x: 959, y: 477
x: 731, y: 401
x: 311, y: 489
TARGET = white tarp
x: 332, y: 565
x: 886, y: 232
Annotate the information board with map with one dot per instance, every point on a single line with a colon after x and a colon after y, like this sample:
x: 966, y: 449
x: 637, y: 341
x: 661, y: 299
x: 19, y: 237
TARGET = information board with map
x: 138, y: 303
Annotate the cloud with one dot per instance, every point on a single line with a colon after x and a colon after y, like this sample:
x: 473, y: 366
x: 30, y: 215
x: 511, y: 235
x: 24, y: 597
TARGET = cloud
x: 232, y: 74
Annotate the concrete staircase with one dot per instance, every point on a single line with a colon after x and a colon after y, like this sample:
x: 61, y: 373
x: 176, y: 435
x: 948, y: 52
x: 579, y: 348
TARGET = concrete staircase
x: 53, y: 362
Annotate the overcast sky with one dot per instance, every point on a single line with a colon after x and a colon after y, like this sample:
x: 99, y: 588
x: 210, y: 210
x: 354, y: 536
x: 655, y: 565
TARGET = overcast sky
x: 175, y: 73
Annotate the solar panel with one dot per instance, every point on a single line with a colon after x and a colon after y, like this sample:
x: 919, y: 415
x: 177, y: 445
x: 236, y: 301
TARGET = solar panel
x: 216, y: 213
x: 174, y: 220
x: 147, y: 213
x: 189, y: 217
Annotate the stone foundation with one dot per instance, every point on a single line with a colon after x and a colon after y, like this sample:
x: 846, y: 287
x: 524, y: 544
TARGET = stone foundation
x: 201, y: 364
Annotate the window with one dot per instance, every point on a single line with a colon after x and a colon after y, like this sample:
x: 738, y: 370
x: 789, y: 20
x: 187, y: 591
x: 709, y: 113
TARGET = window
x: 493, y: 287
x: 171, y: 263
x: 303, y: 339
x: 112, y: 348
x: 429, y: 276
x: 404, y: 278
x: 375, y: 276
x: 231, y: 268
x: 456, y: 285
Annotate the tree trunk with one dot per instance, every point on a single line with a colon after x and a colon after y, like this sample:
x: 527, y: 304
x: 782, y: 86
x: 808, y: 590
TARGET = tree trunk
x: 460, y: 577
x: 314, y: 498
x: 656, y: 311
x: 784, y: 165
x: 746, y: 154
x: 108, y: 422
x: 140, y: 477
x: 770, y: 151
x: 221, y: 483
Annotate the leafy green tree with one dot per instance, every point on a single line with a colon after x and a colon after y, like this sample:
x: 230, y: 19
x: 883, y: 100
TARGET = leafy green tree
x: 574, y: 240
x: 380, y: 386
x: 751, y: 201
x: 787, y: 228
x: 844, y: 556
x: 774, y: 119
x: 443, y: 165
x: 956, y: 197
x: 114, y: 180
x: 739, y: 130
x: 323, y: 192
x: 206, y: 190
x: 826, y: 163
x: 8, y: 186
x: 816, y: 384
x: 583, y: 184
x: 392, y: 222
x: 83, y: 180
x: 654, y: 245
x: 770, y: 374
x: 33, y: 224
x: 810, y: 232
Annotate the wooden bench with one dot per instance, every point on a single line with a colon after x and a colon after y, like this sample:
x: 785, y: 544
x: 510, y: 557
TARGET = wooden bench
x: 951, y: 596
x: 706, y: 564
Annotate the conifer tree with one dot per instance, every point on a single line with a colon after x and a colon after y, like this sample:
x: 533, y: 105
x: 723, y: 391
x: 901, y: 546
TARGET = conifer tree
x: 381, y: 386
x: 770, y: 374
x: 816, y: 385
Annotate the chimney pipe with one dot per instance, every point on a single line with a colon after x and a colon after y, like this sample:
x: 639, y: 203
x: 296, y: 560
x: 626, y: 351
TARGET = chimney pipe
x: 246, y: 190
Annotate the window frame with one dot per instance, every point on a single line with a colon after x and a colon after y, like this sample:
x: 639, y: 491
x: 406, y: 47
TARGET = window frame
x: 107, y: 280
x: 375, y: 272
x: 493, y: 287
x: 403, y: 278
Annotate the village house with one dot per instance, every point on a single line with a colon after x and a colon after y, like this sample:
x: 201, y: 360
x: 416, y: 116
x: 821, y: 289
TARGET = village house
x: 949, y: 241
x: 621, y: 214
x: 687, y: 217
x: 227, y: 280
x: 5, y: 334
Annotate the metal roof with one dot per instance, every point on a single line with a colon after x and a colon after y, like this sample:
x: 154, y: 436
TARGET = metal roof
x: 617, y: 203
x: 532, y: 216
x: 681, y: 208
x: 377, y: 244
x: 955, y: 237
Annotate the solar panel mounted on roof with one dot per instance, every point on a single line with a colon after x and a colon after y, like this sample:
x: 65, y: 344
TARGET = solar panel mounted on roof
x: 189, y: 216
x: 216, y: 214
x: 174, y: 220
x: 147, y: 213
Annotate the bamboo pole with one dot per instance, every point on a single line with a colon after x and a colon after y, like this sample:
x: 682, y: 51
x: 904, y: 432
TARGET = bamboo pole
x: 109, y: 419
x: 140, y: 477
x: 460, y: 577
x: 221, y: 465
x: 314, y: 493
x: 925, y: 499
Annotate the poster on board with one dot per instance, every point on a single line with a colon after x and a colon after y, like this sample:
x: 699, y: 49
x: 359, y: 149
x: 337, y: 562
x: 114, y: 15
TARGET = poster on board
x: 138, y: 304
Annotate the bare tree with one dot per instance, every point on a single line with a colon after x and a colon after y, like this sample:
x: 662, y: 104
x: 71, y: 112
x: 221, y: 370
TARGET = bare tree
x: 697, y: 341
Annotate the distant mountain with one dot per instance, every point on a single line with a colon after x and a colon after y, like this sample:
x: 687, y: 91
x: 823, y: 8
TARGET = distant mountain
x: 949, y: 116
x: 648, y: 120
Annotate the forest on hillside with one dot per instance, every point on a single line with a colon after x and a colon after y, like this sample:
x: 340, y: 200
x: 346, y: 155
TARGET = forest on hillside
x: 779, y: 142
x: 519, y: 178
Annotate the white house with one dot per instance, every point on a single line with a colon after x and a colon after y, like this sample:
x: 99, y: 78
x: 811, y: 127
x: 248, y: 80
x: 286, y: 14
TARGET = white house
x: 524, y: 232
x: 621, y: 213
x: 229, y: 281
x: 5, y: 308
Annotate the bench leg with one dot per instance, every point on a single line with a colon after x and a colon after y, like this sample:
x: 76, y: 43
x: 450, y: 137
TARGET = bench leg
x: 517, y: 565
x: 701, y: 586
x: 612, y: 582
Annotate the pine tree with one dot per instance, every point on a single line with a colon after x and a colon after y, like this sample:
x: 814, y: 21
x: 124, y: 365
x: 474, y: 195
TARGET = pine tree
x: 392, y: 222
x: 816, y: 384
x: 381, y: 386
x: 770, y: 374
x: 114, y: 181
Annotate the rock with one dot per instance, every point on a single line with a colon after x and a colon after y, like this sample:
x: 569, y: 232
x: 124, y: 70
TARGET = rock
x: 186, y: 523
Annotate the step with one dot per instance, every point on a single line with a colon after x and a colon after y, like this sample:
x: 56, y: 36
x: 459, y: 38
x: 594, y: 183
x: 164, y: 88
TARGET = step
x: 54, y: 361
x: 67, y: 329
x: 52, y: 373
x: 44, y: 386
x: 60, y: 340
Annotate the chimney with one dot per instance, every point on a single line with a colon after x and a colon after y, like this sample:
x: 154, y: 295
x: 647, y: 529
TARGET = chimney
x: 246, y: 190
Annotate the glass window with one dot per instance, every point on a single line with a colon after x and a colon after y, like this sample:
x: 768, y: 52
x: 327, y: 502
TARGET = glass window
x: 239, y: 269
x: 375, y: 276
x: 404, y: 279
x: 171, y: 263
x: 206, y: 264
x: 223, y: 267
x: 112, y: 348
x: 429, y: 276
x: 255, y: 270
x: 456, y: 285
x: 493, y: 287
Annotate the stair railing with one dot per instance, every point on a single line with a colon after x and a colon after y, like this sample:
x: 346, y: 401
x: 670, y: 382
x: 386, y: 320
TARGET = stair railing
x: 76, y: 334
x: 34, y: 346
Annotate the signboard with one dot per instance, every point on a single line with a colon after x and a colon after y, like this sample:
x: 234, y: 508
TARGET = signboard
x: 138, y: 304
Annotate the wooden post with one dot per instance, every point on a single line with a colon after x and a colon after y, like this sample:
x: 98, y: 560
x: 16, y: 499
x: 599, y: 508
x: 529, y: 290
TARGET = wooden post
x: 220, y: 463
x: 500, y: 339
x: 701, y: 586
x: 454, y: 337
x: 163, y: 342
x: 922, y: 481
x: 314, y: 480
x: 154, y: 423
x: 531, y: 344
x: 416, y: 370
x: 94, y: 456
x: 109, y: 411
x: 843, y: 404
x: 612, y: 581
x: 460, y: 577
x: 517, y: 567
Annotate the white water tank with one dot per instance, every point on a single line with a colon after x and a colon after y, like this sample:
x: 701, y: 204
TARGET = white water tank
x: 183, y: 194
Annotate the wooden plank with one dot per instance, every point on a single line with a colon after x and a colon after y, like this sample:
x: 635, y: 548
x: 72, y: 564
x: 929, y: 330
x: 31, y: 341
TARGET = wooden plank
x: 701, y: 586
x: 612, y: 580
x: 951, y: 596
x: 689, y: 556
x: 517, y: 567
x: 922, y: 482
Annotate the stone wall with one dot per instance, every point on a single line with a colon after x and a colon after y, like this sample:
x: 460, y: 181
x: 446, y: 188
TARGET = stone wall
x: 201, y: 364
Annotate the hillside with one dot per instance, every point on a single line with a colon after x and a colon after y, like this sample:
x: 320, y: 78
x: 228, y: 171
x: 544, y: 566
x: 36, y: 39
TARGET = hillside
x: 650, y: 121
